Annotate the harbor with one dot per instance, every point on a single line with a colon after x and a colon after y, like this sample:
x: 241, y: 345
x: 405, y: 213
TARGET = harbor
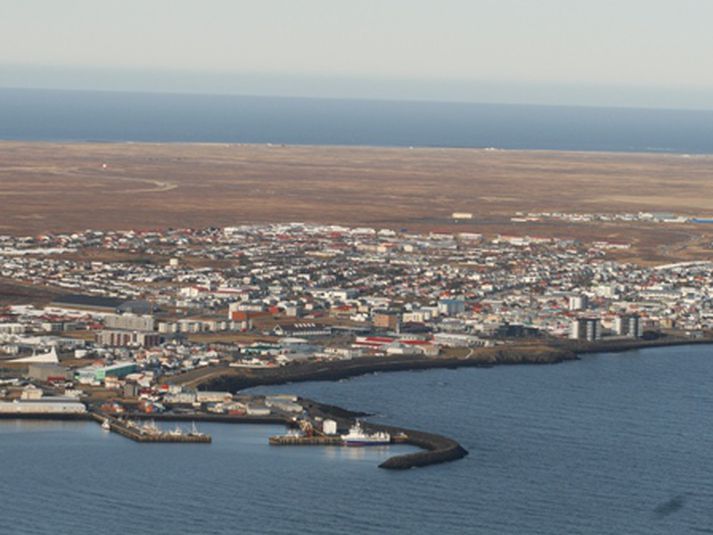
x: 308, y: 423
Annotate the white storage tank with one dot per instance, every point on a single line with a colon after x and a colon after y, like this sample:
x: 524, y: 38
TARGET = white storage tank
x: 329, y: 427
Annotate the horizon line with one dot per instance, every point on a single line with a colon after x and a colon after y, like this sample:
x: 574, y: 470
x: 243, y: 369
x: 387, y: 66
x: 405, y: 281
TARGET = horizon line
x: 384, y: 99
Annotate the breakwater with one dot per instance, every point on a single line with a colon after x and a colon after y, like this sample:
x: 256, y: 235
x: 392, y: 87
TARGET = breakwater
x: 437, y: 448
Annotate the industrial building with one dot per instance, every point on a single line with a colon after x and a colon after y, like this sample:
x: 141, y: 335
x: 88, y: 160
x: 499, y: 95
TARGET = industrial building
x: 49, y: 372
x: 43, y: 406
x: 92, y: 374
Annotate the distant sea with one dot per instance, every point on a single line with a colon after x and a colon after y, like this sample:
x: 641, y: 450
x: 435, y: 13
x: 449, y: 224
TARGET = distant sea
x: 611, y: 444
x: 50, y: 115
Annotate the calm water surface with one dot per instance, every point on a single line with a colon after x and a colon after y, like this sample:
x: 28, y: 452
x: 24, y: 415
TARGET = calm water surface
x: 114, y: 116
x: 611, y: 444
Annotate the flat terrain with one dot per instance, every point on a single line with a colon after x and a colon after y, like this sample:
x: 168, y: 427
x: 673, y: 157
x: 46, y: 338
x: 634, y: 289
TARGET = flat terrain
x: 61, y: 187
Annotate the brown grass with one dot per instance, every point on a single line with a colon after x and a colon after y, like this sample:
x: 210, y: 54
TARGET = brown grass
x: 60, y: 187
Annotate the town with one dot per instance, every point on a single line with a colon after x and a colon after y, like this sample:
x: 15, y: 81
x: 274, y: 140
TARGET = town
x: 148, y: 318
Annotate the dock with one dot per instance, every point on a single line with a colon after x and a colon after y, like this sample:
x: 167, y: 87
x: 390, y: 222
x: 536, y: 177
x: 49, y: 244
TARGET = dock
x: 138, y: 434
x: 289, y: 440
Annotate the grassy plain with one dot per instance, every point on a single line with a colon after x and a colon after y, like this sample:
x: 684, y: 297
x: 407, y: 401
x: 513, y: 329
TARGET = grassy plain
x: 47, y: 187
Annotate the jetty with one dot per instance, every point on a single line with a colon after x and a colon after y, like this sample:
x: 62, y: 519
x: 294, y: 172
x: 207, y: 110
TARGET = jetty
x: 436, y: 448
x: 144, y: 433
x: 290, y: 440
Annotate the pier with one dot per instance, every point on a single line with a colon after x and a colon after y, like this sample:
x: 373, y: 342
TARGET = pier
x: 139, y: 434
x: 289, y: 440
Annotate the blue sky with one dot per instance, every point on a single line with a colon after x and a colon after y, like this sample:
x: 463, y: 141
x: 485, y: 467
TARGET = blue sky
x: 626, y: 52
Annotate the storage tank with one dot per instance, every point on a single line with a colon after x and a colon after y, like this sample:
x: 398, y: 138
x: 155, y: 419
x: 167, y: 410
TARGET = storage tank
x: 329, y: 427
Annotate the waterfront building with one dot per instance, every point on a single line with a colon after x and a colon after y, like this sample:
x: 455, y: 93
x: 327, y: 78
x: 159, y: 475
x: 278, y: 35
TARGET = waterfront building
x: 585, y: 329
x: 628, y: 325
x: 43, y: 406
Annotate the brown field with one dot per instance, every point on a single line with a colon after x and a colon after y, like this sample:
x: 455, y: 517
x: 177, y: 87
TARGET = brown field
x: 60, y: 187
x: 13, y: 292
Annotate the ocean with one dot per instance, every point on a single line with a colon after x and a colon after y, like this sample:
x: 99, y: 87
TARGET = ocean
x: 52, y: 115
x: 611, y: 444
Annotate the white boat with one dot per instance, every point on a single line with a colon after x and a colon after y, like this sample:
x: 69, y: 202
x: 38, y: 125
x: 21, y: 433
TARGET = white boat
x: 106, y: 426
x: 150, y: 428
x: 194, y: 432
x: 357, y: 436
x: 177, y: 432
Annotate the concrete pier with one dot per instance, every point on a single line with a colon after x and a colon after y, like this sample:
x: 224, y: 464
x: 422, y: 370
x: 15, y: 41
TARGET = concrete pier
x: 136, y: 434
x: 288, y: 440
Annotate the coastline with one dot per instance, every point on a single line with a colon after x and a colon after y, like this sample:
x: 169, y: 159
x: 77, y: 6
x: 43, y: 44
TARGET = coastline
x: 553, y: 352
x: 64, y: 142
x: 436, y: 448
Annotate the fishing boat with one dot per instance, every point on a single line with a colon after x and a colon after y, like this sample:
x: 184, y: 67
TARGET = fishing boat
x: 194, y: 431
x: 177, y: 432
x: 357, y: 436
x: 150, y: 428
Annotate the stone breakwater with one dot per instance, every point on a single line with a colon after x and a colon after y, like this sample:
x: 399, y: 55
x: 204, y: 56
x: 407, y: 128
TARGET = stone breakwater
x: 437, y: 448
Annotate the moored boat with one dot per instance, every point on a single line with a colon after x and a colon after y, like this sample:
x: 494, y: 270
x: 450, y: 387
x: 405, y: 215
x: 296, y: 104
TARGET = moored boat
x: 357, y: 436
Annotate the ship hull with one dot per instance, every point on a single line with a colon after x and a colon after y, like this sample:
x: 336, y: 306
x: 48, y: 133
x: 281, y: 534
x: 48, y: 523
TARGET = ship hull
x: 362, y: 443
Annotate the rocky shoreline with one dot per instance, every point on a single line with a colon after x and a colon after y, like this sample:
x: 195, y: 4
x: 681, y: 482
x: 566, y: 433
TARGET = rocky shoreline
x: 241, y: 379
x: 551, y: 352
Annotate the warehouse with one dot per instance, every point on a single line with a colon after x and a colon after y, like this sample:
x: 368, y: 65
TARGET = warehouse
x: 43, y: 406
x: 49, y: 373
x: 92, y: 374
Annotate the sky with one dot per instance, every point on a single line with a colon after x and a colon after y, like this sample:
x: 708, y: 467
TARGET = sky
x: 650, y: 53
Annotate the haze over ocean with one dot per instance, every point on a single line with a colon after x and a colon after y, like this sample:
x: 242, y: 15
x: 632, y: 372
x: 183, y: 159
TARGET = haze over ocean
x: 52, y: 115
